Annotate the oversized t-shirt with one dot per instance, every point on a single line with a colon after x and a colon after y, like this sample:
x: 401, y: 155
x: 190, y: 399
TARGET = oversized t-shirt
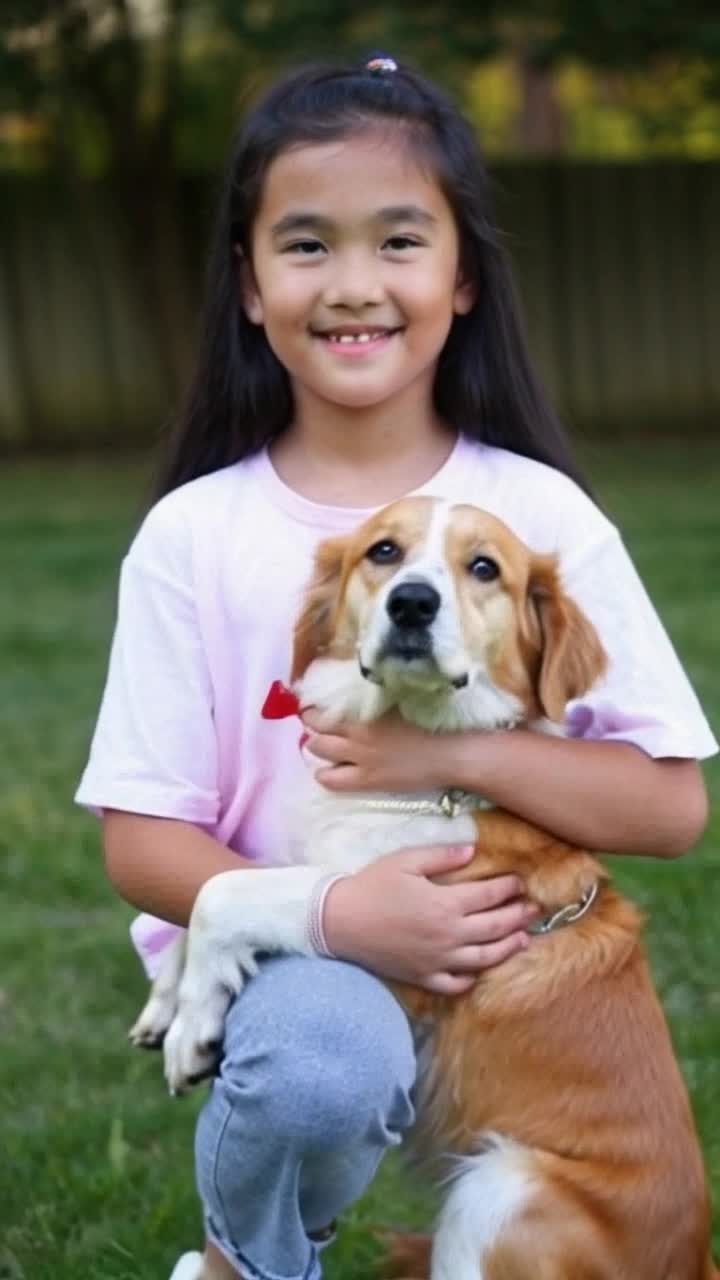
x: 209, y: 592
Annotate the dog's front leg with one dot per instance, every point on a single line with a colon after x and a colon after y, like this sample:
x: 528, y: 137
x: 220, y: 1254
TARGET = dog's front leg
x: 236, y: 915
x: 150, y: 1029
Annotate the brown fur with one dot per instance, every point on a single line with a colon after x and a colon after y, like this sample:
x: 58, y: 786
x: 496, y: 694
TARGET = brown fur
x: 407, y: 1254
x: 572, y: 657
x: 564, y: 1047
x: 314, y: 626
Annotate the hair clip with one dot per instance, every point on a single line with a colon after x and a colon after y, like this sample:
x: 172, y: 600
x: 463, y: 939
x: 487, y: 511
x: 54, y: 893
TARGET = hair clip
x: 381, y: 64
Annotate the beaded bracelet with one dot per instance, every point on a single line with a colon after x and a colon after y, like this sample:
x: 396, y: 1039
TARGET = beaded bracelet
x: 316, y: 908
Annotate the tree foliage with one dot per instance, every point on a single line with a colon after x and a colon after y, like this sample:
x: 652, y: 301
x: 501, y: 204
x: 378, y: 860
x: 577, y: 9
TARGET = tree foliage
x: 131, y: 88
x: 121, y: 81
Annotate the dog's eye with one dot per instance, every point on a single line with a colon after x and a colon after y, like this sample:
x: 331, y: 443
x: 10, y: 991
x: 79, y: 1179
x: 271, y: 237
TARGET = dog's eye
x: 384, y: 552
x: 484, y: 569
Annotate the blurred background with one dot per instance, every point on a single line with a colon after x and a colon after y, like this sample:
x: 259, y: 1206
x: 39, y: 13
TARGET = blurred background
x: 600, y: 120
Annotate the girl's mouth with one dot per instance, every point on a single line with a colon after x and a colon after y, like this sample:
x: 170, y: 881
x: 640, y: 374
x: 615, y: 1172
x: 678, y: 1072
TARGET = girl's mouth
x: 355, y: 342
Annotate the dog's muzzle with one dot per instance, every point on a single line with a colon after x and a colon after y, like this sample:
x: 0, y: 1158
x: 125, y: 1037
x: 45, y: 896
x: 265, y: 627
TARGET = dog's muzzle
x: 412, y: 607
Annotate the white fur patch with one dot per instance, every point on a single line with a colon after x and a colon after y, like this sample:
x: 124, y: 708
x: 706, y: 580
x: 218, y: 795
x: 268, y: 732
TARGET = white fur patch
x: 337, y: 685
x: 343, y: 833
x: 426, y: 563
x: 486, y: 1192
x: 236, y: 915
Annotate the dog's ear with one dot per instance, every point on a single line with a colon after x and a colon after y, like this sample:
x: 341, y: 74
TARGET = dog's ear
x: 571, y: 655
x: 313, y: 629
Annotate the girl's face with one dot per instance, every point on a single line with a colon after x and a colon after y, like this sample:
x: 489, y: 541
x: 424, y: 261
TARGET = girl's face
x: 355, y: 272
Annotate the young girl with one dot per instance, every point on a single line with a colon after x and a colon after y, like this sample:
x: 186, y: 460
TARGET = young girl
x: 361, y: 341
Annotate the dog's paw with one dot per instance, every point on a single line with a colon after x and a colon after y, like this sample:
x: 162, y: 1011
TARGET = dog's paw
x: 193, y: 1042
x: 194, y: 1039
x: 151, y: 1027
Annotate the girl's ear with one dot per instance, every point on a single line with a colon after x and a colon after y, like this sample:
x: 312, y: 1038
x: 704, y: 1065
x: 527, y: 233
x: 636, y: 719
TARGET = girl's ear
x: 465, y: 295
x: 571, y: 655
x: 250, y: 299
x: 314, y: 627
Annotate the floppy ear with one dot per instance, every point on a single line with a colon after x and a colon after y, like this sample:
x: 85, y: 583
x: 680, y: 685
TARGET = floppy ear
x: 571, y: 655
x: 313, y: 629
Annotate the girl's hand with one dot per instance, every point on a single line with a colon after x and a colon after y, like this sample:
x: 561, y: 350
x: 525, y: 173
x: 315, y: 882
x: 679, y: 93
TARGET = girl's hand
x: 391, y: 918
x: 385, y: 755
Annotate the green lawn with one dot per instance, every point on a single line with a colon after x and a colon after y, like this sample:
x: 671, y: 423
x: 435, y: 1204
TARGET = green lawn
x: 95, y: 1160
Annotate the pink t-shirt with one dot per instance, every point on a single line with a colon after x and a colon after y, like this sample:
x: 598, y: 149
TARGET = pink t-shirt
x: 208, y: 594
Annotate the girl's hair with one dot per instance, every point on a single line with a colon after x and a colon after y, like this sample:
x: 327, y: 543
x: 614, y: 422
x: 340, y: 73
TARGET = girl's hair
x: 485, y: 386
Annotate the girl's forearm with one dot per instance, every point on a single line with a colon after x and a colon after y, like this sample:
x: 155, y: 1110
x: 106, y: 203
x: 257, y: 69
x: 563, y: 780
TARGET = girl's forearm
x: 606, y: 796
x: 160, y: 864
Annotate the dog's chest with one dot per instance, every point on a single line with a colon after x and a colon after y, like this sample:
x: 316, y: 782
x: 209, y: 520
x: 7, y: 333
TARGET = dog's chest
x: 348, y: 831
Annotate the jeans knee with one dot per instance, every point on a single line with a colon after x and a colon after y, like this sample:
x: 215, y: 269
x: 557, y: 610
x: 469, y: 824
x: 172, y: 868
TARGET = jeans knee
x: 330, y: 1102
x: 327, y: 1076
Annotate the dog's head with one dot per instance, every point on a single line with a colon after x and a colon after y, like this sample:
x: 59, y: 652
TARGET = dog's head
x: 441, y: 611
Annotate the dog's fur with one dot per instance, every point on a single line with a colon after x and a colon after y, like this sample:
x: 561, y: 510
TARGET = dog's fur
x: 551, y: 1086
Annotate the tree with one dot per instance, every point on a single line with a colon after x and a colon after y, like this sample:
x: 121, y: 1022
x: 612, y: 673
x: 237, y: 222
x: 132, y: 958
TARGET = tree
x: 116, y: 84
x: 120, y: 85
x: 108, y: 94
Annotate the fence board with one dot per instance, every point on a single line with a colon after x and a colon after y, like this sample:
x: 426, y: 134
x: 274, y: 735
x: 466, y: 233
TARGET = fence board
x: 619, y: 270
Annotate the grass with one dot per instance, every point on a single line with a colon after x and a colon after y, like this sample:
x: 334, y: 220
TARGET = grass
x: 95, y: 1178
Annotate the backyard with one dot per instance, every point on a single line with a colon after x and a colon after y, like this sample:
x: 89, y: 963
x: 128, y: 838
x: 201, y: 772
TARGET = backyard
x: 95, y: 1174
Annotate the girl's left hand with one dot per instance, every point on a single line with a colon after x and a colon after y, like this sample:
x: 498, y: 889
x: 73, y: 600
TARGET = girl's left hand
x: 386, y: 755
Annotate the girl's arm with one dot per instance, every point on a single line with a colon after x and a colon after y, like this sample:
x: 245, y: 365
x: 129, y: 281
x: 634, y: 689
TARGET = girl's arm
x: 389, y: 917
x: 607, y: 796
x: 160, y: 864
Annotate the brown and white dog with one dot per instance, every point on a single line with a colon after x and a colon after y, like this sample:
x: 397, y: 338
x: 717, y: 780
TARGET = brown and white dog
x: 551, y: 1085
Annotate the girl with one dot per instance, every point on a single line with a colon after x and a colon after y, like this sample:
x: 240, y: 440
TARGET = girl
x: 361, y: 341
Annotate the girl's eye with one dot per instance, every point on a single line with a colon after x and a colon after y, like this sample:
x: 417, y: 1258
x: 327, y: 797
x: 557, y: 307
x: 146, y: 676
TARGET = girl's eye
x: 384, y: 552
x: 484, y: 569
x: 307, y: 248
x: 398, y: 243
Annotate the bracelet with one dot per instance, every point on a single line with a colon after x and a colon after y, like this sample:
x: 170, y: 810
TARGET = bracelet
x: 316, y: 908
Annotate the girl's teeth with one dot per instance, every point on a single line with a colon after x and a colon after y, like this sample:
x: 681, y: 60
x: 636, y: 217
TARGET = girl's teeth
x: 353, y: 337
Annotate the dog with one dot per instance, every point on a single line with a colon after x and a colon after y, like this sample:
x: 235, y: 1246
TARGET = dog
x: 550, y: 1087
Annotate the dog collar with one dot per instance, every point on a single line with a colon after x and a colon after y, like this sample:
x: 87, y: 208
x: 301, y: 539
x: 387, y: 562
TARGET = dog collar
x: 565, y: 915
x: 450, y: 804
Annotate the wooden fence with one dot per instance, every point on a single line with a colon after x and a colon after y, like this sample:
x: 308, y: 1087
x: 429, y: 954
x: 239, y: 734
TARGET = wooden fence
x: 618, y: 266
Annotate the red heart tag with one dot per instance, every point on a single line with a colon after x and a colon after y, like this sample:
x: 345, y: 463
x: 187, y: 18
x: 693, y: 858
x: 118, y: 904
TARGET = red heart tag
x: 280, y: 702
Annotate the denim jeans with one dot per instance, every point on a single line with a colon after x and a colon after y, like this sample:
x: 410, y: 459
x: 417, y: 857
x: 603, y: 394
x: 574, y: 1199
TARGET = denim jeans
x: 314, y: 1085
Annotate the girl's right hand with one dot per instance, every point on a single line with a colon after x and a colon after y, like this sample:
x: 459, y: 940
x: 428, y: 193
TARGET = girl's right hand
x: 392, y: 919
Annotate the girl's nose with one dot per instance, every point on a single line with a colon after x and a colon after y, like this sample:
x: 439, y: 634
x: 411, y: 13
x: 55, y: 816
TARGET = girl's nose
x: 354, y: 283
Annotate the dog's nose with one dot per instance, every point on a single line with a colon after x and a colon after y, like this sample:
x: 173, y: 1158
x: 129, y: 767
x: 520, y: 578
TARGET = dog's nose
x: 413, y: 604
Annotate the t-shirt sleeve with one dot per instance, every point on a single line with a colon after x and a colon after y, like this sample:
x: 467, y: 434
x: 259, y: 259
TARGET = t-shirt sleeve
x: 645, y: 698
x: 154, y: 749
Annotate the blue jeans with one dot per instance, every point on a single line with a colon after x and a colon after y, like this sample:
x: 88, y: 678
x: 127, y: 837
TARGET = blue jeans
x: 315, y: 1084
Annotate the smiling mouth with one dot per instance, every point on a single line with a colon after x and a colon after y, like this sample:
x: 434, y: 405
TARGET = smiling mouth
x: 354, y: 338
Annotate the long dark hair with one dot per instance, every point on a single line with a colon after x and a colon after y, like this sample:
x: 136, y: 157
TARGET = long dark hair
x: 485, y: 386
